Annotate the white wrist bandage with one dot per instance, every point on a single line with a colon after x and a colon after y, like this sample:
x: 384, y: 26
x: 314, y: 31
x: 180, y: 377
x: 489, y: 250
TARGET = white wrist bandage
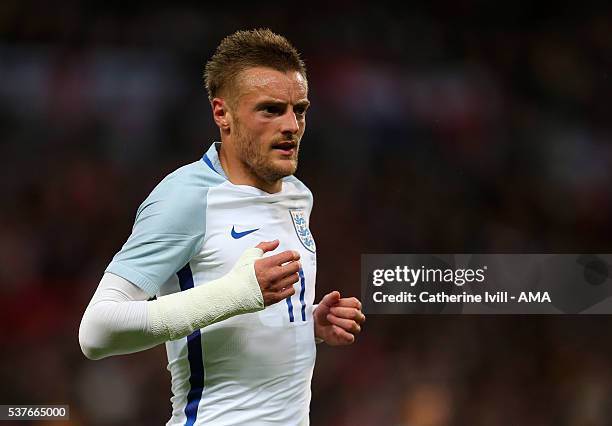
x: 180, y: 314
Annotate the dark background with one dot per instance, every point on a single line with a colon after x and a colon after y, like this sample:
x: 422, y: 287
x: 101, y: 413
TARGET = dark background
x: 448, y: 126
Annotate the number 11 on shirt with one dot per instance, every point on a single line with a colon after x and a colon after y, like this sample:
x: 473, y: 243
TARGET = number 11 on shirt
x: 302, y: 302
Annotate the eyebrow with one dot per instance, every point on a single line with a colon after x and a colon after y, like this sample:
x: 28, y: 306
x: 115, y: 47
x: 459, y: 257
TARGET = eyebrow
x: 275, y: 102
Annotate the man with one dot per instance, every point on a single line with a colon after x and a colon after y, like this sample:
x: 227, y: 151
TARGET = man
x: 239, y: 329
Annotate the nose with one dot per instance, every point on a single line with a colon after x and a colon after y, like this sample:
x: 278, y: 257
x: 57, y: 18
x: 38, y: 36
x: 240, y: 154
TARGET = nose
x: 289, y: 123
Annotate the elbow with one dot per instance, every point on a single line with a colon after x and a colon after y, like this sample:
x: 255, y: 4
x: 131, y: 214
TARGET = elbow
x: 90, y: 352
x: 87, y: 344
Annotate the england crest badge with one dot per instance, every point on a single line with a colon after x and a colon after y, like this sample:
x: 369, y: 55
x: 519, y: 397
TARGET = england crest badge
x: 301, y: 229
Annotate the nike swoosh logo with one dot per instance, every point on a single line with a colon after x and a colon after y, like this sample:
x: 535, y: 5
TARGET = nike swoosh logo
x: 237, y: 235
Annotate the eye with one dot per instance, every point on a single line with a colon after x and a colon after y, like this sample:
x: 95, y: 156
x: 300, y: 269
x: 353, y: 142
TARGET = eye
x: 300, y: 111
x: 272, y: 109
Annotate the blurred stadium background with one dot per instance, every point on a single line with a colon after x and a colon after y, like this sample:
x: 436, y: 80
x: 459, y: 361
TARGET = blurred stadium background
x: 449, y: 126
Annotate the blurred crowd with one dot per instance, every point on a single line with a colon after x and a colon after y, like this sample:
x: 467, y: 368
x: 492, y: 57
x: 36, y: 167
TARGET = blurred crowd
x: 451, y: 127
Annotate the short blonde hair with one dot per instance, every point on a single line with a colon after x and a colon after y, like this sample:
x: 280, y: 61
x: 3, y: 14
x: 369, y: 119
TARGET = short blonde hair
x: 248, y: 49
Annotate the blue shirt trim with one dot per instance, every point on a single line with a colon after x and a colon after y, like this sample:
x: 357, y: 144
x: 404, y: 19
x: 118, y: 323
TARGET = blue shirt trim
x: 194, y: 354
x: 290, y: 309
x: 303, y: 284
x: 209, y: 163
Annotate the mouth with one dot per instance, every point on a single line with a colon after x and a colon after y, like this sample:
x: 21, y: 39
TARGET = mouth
x: 285, y: 148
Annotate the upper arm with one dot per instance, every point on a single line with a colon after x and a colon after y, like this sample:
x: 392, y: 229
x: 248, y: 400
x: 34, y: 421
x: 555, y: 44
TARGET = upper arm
x: 168, y: 231
x: 113, y: 288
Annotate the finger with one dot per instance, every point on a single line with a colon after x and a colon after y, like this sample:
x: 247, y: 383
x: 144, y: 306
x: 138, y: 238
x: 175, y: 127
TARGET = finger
x: 283, y: 294
x: 343, y: 336
x: 331, y: 299
x: 281, y: 258
x: 348, y: 313
x: 290, y: 268
x: 277, y: 273
x: 272, y: 297
x: 349, y: 302
x: 285, y: 282
x: 267, y: 246
x: 346, y: 324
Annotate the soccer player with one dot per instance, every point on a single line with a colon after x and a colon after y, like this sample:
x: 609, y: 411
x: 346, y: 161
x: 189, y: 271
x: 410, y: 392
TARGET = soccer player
x: 239, y: 327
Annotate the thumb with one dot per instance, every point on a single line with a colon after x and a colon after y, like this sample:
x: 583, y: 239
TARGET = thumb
x: 331, y: 299
x: 266, y: 246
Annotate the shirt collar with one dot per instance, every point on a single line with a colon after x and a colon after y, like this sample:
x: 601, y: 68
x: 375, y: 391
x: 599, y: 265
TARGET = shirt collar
x: 211, y: 158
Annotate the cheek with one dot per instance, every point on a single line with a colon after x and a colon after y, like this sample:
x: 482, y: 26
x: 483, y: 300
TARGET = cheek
x: 259, y: 128
x: 251, y: 133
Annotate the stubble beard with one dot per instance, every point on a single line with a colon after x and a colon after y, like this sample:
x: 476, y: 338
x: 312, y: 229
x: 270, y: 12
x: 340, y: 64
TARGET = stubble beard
x: 259, y: 164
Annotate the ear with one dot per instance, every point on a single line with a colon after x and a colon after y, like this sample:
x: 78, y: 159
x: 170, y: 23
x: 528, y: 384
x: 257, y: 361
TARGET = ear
x: 221, y: 114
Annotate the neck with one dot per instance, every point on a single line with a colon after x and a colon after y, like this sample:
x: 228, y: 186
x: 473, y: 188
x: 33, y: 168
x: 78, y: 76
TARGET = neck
x: 239, y: 173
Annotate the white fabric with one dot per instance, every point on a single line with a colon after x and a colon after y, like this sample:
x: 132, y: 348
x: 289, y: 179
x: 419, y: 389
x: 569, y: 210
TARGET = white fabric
x: 119, y: 320
x: 255, y: 368
x: 115, y: 321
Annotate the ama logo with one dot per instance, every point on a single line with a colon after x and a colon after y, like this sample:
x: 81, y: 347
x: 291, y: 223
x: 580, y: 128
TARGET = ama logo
x: 534, y: 296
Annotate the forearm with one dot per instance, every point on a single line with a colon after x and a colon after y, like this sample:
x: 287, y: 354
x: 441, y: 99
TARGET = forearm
x: 177, y: 315
x: 119, y: 319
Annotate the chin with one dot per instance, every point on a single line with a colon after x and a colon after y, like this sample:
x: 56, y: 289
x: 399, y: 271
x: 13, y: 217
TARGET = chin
x: 286, y: 168
x: 276, y: 172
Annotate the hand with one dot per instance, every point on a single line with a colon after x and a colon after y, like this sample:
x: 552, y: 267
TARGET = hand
x: 337, y: 321
x: 277, y: 274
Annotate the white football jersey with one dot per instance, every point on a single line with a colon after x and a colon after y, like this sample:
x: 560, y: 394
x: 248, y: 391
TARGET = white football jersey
x: 252, y: 369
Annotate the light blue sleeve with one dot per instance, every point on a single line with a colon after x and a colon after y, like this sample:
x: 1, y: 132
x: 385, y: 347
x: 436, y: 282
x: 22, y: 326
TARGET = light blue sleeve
x: 168, y: 232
